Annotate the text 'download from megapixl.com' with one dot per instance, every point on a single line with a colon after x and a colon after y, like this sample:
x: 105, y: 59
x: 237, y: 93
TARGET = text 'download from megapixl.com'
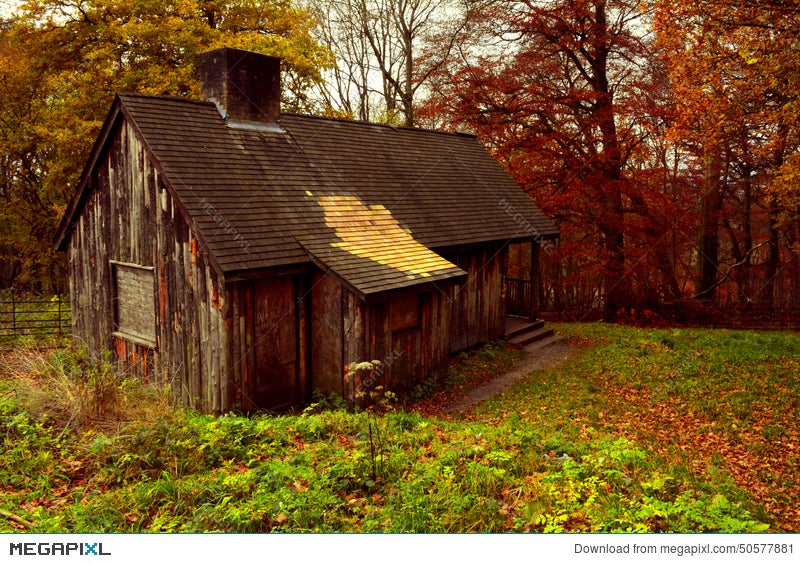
x: 688, y: 550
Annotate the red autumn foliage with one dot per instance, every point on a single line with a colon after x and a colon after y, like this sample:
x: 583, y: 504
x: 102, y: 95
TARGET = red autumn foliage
x: 656, y: 164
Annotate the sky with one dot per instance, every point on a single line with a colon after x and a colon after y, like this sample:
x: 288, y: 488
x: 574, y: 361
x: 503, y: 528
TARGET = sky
x: 7, y: 6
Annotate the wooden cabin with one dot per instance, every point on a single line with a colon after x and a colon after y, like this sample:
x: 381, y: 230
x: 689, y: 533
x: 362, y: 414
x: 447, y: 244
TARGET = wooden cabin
x: 248, y: 256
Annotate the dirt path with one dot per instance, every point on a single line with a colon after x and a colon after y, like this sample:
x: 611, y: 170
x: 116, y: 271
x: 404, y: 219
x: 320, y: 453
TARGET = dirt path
x: 541, y: 355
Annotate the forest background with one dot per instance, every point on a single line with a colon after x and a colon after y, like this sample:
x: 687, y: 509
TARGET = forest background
x: 662, y: 137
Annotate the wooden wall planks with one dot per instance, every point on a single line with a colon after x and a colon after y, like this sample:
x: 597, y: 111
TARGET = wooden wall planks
x: 478, y: 306
x: 327, y: 329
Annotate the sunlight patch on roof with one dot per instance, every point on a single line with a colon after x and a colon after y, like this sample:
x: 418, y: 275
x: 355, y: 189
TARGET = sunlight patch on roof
x: 370, y: 231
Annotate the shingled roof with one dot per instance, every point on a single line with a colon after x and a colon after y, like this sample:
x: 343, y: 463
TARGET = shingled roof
x: 370, y: 202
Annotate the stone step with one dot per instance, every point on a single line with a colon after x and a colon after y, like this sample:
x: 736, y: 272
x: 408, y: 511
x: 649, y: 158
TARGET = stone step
x: 522, y: 326
x: 537, y: 346
x: 529, y: 336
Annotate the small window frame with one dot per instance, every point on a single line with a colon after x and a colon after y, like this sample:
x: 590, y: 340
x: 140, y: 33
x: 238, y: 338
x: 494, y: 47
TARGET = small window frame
x: 134, y: 303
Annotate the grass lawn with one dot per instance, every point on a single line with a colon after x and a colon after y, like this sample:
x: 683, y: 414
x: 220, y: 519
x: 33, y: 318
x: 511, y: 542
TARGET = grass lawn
x: 720, y: 407
x: 642, y: 430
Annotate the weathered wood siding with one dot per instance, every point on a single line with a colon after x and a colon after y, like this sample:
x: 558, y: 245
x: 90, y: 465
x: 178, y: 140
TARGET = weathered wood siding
x: 337, y: 333
x: 131, y: 217
x: 478, y: 305
x: 408, y: 332
x: 135, y: 307
x: 353, y: 329
x: 327, y: 329
x: 269, y: 342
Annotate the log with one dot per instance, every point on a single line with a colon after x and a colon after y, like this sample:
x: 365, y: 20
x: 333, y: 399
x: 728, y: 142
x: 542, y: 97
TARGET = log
x: 14, y: 518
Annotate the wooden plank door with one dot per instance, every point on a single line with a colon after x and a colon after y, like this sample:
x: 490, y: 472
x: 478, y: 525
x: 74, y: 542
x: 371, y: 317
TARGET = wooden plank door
x: 280, y: 343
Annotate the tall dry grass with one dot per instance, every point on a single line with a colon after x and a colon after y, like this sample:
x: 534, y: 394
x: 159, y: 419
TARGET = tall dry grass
x: 77, y: 392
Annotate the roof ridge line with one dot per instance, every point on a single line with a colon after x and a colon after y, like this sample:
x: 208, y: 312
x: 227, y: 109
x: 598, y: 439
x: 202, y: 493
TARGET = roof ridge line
x: 182, y: 99
x: 391, y: 126
x: 383, y: 125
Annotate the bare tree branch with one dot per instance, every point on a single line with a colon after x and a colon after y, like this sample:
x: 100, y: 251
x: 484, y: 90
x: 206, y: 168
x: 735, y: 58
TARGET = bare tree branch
x: 724, y: 278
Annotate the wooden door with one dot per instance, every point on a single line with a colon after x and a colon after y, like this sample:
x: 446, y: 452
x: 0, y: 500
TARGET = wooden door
x: 280, y: 342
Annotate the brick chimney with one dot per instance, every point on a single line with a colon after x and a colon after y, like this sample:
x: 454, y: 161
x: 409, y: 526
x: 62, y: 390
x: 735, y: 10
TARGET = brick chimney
x: 245, y: 85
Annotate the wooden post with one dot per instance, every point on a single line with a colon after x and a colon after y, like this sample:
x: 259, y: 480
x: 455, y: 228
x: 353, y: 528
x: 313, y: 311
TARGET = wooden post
x: 534, y: 288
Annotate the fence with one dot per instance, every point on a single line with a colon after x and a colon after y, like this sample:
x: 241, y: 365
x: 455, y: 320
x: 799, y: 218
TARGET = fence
x: 764, y: 316
x: 519, y: 297
x: 693, y: 312
x: 29, y: 312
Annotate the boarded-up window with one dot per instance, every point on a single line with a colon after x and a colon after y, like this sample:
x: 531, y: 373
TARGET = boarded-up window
x: 135, y: 303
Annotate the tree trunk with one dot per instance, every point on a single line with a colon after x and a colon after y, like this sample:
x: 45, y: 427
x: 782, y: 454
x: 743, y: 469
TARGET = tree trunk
x: 614, y: 282
x: 773, y: 259
x: 708, y: 242
x: 408, y: 86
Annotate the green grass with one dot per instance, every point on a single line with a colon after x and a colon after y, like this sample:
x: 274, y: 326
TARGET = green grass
x: 720, y: 406
x: 467, y: 371
x: 644, y: 430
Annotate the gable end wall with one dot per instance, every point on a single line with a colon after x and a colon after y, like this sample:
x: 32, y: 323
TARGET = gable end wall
x: 130, y: 217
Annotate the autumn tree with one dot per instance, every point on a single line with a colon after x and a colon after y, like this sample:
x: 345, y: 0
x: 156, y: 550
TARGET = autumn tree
x: 569, y: 101
x: 61, y: 61
x: 734, y: 70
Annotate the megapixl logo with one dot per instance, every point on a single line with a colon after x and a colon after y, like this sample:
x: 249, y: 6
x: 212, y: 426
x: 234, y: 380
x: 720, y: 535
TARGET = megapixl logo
x: 57, y: 548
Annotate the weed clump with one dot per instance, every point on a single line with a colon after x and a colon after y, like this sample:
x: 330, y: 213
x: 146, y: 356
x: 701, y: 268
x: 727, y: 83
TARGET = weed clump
x: 74, y: 391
